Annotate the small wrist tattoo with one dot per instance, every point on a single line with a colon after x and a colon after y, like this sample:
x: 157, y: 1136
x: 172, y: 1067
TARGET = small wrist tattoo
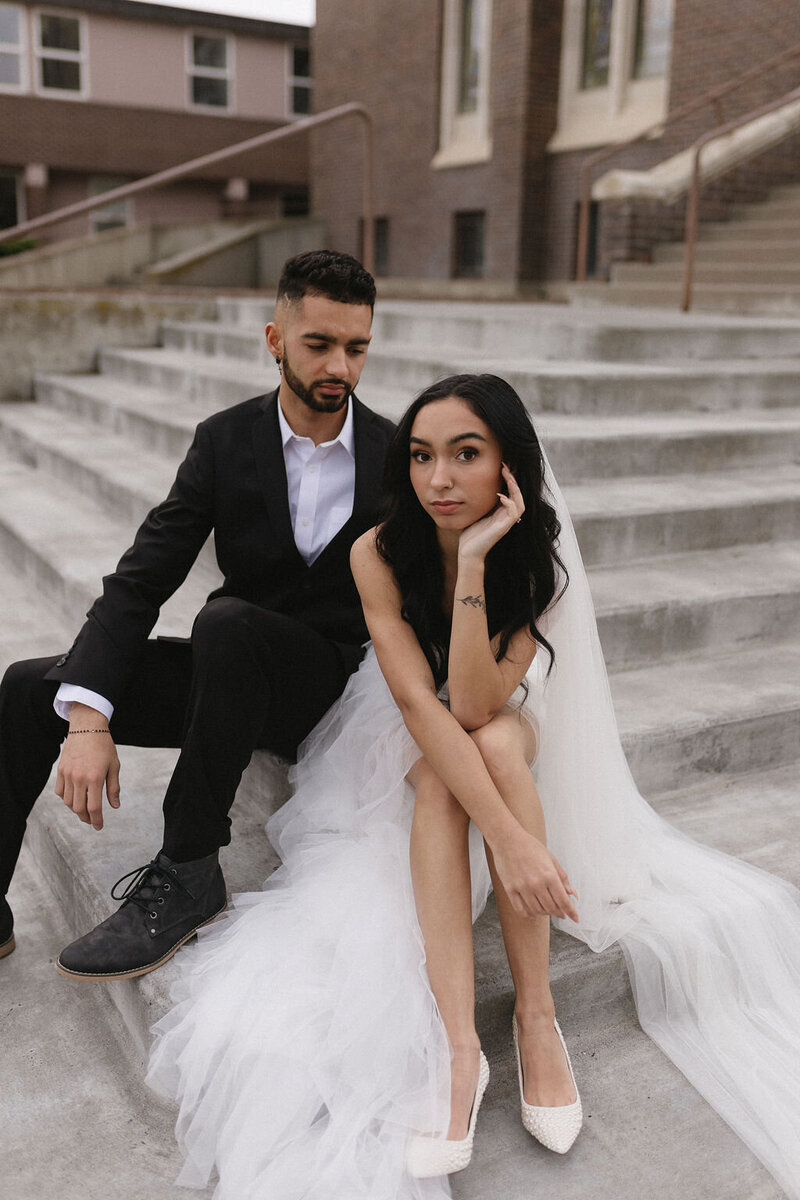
x: 473, y: 602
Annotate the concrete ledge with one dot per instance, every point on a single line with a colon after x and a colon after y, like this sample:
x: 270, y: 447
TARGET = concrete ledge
x: 48, y: 330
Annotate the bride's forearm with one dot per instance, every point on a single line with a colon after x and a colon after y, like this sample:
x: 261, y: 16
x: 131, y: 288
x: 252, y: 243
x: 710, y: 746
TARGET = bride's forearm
x: 474, y: 679
x: 457, y: 761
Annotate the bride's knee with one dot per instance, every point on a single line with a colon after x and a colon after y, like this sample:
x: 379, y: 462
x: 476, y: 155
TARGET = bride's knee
x: 502, y: 745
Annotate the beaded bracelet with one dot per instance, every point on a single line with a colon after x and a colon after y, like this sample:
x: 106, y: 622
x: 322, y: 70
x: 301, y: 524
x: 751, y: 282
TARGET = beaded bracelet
x: 71, y: 731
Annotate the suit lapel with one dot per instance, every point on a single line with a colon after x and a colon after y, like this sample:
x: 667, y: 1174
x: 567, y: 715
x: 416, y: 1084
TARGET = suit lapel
x: 272, y: 472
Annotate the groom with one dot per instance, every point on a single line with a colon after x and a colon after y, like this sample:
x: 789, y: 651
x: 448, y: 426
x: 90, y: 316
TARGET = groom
x: 287, y: 482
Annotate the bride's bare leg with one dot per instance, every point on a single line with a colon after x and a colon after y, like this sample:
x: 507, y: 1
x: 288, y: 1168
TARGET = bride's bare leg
x: 507, y: 746
x: 441, y: 878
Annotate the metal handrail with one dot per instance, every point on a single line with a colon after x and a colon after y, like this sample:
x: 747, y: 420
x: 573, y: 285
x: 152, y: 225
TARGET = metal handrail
x: 713, y: 96
x: 149, y: 182
x: 693, y: 202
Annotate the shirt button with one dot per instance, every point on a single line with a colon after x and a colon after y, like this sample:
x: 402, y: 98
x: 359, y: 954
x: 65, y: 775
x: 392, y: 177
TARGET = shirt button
x: 305, y: 520
x: 312, y: 470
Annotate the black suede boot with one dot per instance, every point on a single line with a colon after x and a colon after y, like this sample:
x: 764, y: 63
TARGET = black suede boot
x: 162, y: 907
x: 7, y: 943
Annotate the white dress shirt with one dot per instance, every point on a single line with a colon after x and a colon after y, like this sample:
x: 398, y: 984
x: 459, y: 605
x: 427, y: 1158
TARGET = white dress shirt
x: 321, y: 483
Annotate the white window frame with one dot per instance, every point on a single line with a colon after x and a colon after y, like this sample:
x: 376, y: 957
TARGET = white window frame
x: 464, y: 138
x: 228, y: 72
x: 21, y: 49
x: 79, y: 56
x: 623, y: 108
x: 293, y: 81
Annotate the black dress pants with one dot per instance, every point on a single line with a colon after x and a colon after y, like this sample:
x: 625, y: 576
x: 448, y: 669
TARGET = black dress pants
x: 249, y: 679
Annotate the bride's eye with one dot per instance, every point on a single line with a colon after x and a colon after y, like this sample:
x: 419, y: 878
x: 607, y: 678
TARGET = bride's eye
x: 420, y: 456
x: 467, y: 454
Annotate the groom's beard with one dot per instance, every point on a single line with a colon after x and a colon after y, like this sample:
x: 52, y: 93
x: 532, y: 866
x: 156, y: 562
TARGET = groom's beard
x: 320, y: 404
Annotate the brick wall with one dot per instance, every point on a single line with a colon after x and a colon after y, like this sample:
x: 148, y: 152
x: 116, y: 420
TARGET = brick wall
x: 389, y: 57
x: 713, y: 41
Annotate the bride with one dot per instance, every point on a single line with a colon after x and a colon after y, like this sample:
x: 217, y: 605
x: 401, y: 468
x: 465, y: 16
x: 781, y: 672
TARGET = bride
x: 323, y: 1044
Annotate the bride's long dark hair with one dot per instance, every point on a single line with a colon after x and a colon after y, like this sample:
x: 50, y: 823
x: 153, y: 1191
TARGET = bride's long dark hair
x: 523, y: 570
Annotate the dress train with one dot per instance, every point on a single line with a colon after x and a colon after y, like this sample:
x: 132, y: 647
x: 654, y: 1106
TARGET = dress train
x: 305, y: 1043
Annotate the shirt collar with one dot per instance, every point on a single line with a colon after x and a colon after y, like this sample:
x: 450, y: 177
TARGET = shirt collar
x: 346, y: 434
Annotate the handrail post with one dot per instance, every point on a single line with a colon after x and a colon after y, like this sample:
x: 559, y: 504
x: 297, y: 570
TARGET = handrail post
x: 583, y: 223
x: 690, y: 232
x: 368, y: 248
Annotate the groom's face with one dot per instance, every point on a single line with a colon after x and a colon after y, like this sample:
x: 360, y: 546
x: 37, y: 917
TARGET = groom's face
x: 322, y: 345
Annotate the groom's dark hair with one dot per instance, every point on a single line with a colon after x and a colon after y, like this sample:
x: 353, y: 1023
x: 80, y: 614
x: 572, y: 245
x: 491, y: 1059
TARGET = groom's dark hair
x: 326, y: 273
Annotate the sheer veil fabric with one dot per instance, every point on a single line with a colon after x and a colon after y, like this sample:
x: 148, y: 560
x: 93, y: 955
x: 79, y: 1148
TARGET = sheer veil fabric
x: 305, y: 1043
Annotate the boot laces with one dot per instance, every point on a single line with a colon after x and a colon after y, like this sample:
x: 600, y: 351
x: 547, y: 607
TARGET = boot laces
x: 143, y: 890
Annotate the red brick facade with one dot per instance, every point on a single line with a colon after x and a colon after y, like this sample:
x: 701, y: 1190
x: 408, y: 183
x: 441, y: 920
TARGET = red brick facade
x: 389, y: 57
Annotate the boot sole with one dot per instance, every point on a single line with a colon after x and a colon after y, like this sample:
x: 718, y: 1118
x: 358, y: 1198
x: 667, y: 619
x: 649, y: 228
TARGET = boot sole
x: 8, y: 946
x: 62, y: 970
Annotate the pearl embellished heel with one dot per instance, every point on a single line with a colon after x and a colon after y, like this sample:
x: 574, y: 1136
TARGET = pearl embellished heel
x: 557, y: 1127
x: 427, y: 1157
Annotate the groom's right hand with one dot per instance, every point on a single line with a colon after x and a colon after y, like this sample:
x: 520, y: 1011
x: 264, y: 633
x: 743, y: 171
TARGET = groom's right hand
x: 88, y: 763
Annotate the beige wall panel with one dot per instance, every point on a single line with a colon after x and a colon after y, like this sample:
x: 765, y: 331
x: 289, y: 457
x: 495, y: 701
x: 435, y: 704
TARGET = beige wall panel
x: 137, y: 63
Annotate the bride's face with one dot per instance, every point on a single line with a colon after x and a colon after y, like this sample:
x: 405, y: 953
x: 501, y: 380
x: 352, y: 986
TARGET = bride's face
x: 455, y: 466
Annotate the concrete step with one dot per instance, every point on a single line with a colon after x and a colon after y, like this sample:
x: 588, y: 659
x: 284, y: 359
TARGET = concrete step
x: 63, y: 1075
x: 719, y: 298
x: 622, y: 520
x: 578, y: 446
x: 755, y: 226
x: 551, y: 332
x: 63, y: 543
x: 681, y: 604
x: 745, y: 250
x: 732, y: 380
x: 752, y: 273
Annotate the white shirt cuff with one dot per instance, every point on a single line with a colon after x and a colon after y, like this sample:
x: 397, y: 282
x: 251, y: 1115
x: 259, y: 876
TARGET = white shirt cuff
x: 70, y: 693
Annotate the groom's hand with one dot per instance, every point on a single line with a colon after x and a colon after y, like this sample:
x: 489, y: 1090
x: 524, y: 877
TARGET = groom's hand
x: 88, y: 763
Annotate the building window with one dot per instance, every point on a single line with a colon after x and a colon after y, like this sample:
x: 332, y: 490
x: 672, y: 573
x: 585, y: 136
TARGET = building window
x: 596, y: 43
x: 382, y: 246
x: 653, y: 37
x: 464, y: 118
x: 210, y: 71
x: 299, y: 81
x: 614, y: 80
x: 295, y: 203
x: 469, y: 230
x: 115, y: 215
x: 9, y: 202
x: 60, y: 53
x: 12, y: 50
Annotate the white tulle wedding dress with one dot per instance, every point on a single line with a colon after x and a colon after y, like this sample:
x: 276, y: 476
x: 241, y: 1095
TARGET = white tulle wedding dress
x: 305, y: 1043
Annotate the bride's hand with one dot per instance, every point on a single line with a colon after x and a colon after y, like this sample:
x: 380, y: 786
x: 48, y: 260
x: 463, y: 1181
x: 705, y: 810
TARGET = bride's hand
x: 477, y: 540
x: 534, y: 880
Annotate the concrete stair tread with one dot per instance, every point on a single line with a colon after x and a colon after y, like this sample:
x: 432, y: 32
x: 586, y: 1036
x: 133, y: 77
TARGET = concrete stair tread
x: 656, y: 700
x: 69, y: 557
x: 607, y: 498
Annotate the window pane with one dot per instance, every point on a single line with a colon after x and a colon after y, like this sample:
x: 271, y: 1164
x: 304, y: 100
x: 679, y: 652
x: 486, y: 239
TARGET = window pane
x: 8, y: 201
x: 209, y: 52
x: 381, y: 245
x: 9, y: 24
x: 469, y: 56
x: 60, y: 33
x: 57, y: 73
x: 469, y: 230
x: 210, y: 91
x: 653, y: 38
x: 301, y: 100
x: 596, y: 43
x: 301, y: 62
x: 9, y: 68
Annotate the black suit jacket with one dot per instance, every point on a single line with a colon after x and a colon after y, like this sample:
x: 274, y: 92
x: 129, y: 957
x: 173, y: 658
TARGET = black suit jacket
x: 233, y: 480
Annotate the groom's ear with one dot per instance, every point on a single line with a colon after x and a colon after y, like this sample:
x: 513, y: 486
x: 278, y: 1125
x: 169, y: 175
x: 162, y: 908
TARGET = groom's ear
x: 274, y: 338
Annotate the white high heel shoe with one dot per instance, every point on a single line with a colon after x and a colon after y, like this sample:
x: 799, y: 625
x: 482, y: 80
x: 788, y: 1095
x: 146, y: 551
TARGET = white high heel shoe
x: 427, y: 1157
x: 556, y: 1128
